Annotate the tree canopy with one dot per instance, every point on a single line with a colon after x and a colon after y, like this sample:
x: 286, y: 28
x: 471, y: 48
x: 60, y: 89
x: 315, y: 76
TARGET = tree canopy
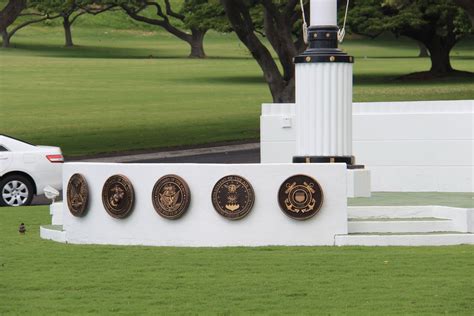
x: 438, y: 24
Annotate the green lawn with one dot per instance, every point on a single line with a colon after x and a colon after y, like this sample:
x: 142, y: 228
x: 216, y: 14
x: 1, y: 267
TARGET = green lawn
x: 44, y: 277
x: 134, y: 89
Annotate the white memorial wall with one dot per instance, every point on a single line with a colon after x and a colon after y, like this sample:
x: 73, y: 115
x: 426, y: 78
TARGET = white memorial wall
x: 407, y: 146
x: 201, y: 225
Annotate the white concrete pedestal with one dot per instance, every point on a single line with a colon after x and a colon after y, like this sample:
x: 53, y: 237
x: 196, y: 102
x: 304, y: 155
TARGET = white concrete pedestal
x: 358, y: 183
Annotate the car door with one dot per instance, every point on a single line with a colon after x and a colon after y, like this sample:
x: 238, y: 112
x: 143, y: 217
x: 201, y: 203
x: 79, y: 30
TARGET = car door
x: 5, y: 159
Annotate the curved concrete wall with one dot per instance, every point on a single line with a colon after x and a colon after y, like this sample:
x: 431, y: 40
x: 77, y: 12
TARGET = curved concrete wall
x: 266, y: 224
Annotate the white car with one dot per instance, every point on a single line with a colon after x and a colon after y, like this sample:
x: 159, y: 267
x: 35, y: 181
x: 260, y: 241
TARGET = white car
x: 26, y: 169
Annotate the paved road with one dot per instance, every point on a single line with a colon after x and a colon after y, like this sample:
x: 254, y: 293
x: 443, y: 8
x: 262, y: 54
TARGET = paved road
x: 242, y: 156
x: 236, y: 153
x: 42, y: 200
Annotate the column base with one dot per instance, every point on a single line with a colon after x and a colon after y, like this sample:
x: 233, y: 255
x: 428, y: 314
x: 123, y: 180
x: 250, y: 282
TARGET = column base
x: 348, y: 160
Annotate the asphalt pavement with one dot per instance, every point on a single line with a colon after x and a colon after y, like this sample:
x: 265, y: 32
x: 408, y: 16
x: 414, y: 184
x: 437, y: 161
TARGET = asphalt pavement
x: 243, y: 156
x: 239, y: 153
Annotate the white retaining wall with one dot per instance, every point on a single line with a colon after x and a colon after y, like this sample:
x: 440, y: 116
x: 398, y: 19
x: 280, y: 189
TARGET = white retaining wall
x: 408, y: 146
x: 266, y: 224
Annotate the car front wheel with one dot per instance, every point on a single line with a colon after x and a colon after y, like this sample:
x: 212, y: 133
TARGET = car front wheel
x: 15, y: 190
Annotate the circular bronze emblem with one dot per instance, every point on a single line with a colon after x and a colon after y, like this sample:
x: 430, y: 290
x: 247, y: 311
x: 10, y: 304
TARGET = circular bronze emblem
x: 118, y: 196
x: 171, y: 196
x: 300, y: 197
x: 233, y: 197
x: 77, y: 195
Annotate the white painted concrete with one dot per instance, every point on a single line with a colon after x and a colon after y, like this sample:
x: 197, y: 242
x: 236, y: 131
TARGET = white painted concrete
x: 373, y: 219
x: 392, y: 226
x: 405, y: 240
x: 56, y: 212
x: 358, y: 183
x: 359, y: 212
x: 48, y: 233
x: 408, y: 146
x: 266, y: 224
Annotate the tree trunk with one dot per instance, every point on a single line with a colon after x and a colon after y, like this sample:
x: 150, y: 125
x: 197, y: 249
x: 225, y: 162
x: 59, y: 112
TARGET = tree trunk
x: 5, y: 39
x: 67, y: 31
x: 439, y: 54
x: 285, y: 93
x: 10, y: 12
x: 281, y: 87
x: 423, y: 50
x: 197, y: 44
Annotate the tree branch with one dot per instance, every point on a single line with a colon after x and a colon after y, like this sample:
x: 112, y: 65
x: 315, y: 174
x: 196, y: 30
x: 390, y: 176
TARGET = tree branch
x: 77, y: 15
x: 162, y: 23
x: 22, y: 25
x: 170, y: 11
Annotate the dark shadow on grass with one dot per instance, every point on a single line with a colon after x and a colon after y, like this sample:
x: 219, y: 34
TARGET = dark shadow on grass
x: 384, y: 79
x: 428, y: 77
x: 370, y: 79
x: 225, y: 80
x: 105, y: 52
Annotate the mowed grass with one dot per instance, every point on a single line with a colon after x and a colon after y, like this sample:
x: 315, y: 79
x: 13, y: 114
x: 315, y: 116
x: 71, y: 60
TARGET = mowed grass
x: 43, y: 277
x: 134, y: 89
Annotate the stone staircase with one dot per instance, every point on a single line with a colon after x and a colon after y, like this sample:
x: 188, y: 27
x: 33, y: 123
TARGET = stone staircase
x: 408, y: 226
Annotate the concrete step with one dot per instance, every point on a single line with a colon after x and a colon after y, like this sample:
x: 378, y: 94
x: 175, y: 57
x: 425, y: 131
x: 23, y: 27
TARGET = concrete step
x: 410, y: 219
x: 390, y: 211
x: 420, y: 239
x: 53, y: 232
x: 400, y: 225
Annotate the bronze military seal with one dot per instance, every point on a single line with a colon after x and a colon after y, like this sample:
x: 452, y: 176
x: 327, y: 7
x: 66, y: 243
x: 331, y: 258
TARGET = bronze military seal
x: 300, y: 197
x: 171, y: 196
x: 118, y: 196
x: 77, y: 195
x: 233, y: 197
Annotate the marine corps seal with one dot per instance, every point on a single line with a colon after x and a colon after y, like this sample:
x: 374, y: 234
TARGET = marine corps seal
x: 171, y: 196
x: 77, y: 195
x: 233, y: 197
x: 118, y: 196
x: 300, y: 197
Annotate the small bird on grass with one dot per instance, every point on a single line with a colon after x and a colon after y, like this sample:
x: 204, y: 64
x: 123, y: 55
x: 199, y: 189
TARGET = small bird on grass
x: 22, y: 228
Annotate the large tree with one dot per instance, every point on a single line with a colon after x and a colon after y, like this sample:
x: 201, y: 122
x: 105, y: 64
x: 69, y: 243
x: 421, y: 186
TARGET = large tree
x: 437, y: 24
x: 69, y: 11
x: 278, y: 20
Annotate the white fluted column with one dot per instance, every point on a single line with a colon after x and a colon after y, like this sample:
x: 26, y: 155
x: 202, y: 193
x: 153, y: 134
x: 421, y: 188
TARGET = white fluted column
x: 323, y: 89
x: 324, y: 109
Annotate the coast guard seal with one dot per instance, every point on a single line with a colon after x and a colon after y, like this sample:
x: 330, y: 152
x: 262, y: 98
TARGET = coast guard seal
x: 300, y: 197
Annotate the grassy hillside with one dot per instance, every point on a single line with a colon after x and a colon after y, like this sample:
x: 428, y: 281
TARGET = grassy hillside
x: 132, y: 88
